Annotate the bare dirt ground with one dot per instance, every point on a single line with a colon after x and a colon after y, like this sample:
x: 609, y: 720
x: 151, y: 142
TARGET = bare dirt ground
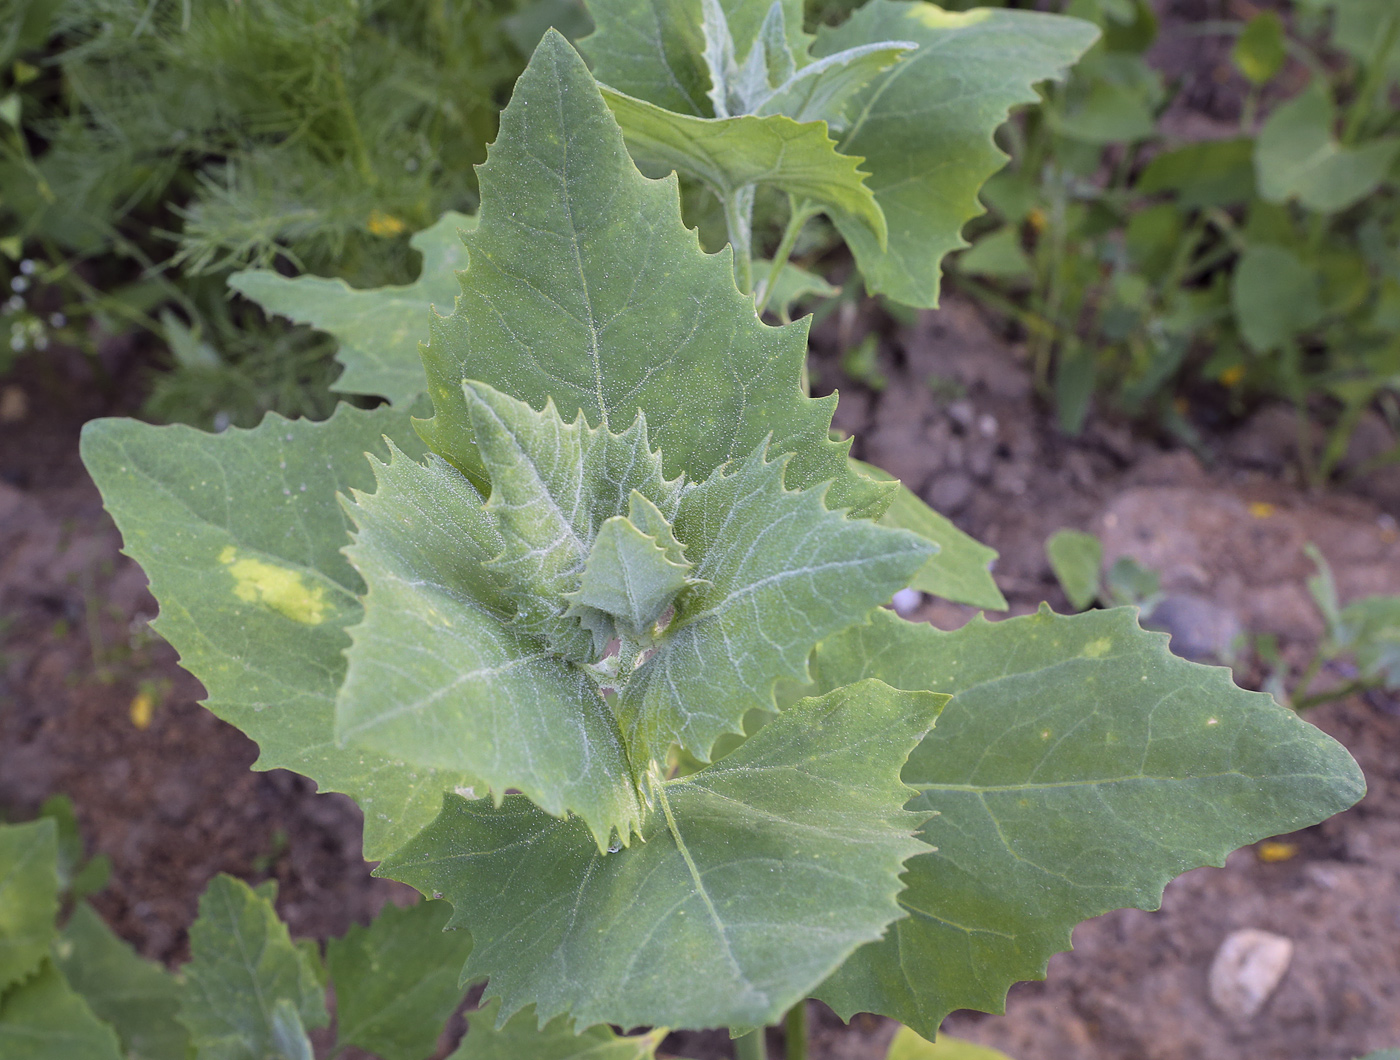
x: 174, y: 802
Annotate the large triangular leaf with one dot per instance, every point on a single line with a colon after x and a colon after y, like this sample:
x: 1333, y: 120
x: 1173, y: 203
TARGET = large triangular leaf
x: 378, y: 330
x: 961, y: 569
x: 729, y: 153
x: 777, y: 572
x: 43, y: 1019
x: 137, y: 997
x: 1297, y: 156
x: 396, y: 980
x: 28, y: 896
x: 240, y: 534
x: 584, y: 286
x: 1078, y: 768
x: 809, y: 806
x: 440, y: 676
x: 925, y: 126
x: 248, y: 990
x: 522, y: 1037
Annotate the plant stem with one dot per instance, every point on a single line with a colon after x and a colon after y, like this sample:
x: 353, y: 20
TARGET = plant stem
x: 751, y: 1046
x: 795, y: 1036
x: 738, y: 216
x: 799, y: 213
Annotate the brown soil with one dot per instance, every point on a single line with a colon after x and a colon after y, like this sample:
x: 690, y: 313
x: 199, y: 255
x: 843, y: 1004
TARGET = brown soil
x: 174, y: 803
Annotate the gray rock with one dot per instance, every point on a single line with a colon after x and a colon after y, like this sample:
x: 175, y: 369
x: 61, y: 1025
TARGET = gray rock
x: 1200, y: 629
x: 1248, y: 968
x: 950, y: 493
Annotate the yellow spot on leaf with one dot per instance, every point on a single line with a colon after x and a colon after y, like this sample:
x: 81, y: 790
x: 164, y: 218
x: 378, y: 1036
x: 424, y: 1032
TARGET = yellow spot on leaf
x: 280, y: 588
x: 1271, y: 850
x: 1261, y: 509
x: 385, y: 224
x: 143, y: 707
x: 1097, y: 649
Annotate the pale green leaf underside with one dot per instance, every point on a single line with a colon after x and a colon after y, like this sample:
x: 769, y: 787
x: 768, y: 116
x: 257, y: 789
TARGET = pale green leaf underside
x: 1079, y: 767
x: 378, y: 330
x: 924, y: 127
x: 242, y: 965
x: 584, y: 285
x: 822, y: 90
x: 777, y: 572
x: 137, y: 997
x: 729, y: 153
x: 396, y: 980
x: 793, y: 285
x: 28, y: 896
x: 439, y: 676
x: 960, y: 570
x: 522, y: 1037
x: 44, y: 1019
x: 240, y: 534
x: 1297, y: 156
x: 809, y: 806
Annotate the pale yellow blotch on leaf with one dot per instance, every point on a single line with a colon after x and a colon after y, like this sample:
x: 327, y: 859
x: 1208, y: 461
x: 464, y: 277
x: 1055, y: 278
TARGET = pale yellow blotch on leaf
x: 280, y: 588
x: 1097, y: 649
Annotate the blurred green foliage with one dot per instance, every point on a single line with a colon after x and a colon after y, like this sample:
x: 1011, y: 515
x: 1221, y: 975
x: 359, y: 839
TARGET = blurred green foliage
x: 147, y: 147
x: 1262, y: 263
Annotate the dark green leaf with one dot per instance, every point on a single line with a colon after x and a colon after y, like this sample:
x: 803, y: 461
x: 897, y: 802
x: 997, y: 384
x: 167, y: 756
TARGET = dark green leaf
x: 1079, y: 767
x: 243, y: 966
x: 1076, y: 558
x: 1275, y: 297
x: 809, y: 806
x: 137, y: 997
x: 1205, y: 174
x: 522, y: 1037
x: 396, y: 980
x: 43, y: 1019
x: 28, y: 896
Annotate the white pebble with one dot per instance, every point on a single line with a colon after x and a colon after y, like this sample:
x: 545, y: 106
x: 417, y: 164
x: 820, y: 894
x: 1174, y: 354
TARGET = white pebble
x: 1248, y: 968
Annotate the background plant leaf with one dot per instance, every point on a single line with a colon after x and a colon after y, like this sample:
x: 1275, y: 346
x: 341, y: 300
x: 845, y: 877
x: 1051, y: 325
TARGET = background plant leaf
x: 729, y: 153
x: 651, y: 49
x: 1297, y: 156
x: 396, y: 980
x: 584, y: 285
x: 1077, y: 559
x: 1275, y: 296
x: 910, y: 1046
x: 242, y: 965
x: 809, y: 805
x: 44, y: 1019
x: 924, y: 127
x: 28, y: 897
x: 240, y: 534
x: 1069, y: 741
x: 523, y: 1037
x: 378, y: 329
x: 137, y: 997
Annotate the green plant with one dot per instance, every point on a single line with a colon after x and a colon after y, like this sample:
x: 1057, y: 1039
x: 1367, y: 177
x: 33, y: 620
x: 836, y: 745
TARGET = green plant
x: 1260, y: 264
x: 1076, y: 558
x: 598, y: 647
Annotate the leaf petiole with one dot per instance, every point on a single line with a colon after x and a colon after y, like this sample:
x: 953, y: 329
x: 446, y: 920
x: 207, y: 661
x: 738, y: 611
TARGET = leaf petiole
x: 799, y: 214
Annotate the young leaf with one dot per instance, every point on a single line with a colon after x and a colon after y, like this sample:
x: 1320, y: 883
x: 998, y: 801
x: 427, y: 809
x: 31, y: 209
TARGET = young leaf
x: 793, y: 285
x: 1259, y: 52
x: 43, y: 1019
x: 808, y: 806
x: 960, y: 570
x: 396, y: 980
x: 584, y: 286
x: 1275, y: 296
x: 1076, y: 558
x: 821, y: 91
x: 925, y: 126
x: 28, y: 896
x: 248, y: 991
x: 439, y: 677
x: 1069, y: 741
x: 1297, y: 156
x: 240, y: 534
x: 631, y: 576
x: 523, y: 1037
x: 729, y: 153
x: 378, y: 330
x: 137, y: 997
x: 778, y: 572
